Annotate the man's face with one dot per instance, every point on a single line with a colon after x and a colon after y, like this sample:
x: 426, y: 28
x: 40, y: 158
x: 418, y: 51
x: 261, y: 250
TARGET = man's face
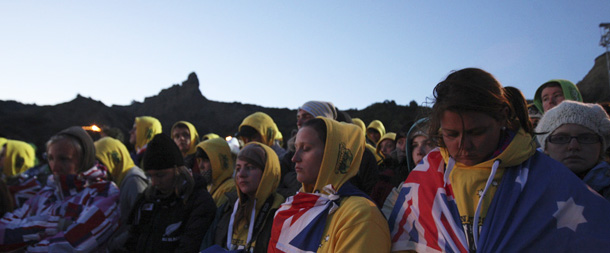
x: 162, y: 180
x: 302, y: 117
x: 182, y: 138
x: 63, y: 157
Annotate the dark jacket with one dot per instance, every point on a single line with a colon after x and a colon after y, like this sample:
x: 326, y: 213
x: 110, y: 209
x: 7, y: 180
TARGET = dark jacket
x: 218, y: 232
x: 368, y: 173
x: 289, y: 185
x: 170, y: 224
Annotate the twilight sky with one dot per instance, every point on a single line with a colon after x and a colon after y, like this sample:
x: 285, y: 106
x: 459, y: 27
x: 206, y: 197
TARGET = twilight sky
x: 284, y: 53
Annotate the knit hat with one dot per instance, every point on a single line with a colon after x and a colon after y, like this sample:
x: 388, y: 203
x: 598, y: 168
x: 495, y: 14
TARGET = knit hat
x: 320, y: 108
x: 254, y: 154
x: 162, y: 153
x: 591, y: 116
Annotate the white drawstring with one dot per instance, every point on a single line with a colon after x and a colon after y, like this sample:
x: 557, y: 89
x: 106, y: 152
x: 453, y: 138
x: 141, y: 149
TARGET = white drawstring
x: 450, y: 166
x: 230, y: 245
x: 477, y: 213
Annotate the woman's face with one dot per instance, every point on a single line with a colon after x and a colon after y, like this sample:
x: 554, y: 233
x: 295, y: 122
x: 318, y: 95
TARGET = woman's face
x: 420, y: 147
x: 578, y: 157
x: 308, y: 155
x: 248, y: 177
x: 470, y: 137
x: 63, y: 157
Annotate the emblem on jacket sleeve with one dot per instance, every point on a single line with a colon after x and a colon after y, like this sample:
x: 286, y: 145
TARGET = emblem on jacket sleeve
x: 344, y: 160
x: 270, y: 134
x: 224, y: 161
x: 115, y: 157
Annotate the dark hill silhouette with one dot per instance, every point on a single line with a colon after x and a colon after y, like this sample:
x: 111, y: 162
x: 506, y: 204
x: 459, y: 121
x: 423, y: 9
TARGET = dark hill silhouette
x: 36, y: 124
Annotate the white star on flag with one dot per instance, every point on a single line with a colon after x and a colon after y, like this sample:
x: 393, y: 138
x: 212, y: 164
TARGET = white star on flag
x: 569, y: 214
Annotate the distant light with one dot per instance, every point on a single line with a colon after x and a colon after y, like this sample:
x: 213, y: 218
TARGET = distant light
x: 93, y: 128
x: 228, y: 138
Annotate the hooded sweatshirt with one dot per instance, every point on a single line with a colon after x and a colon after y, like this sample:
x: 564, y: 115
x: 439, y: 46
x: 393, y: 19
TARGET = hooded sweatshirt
x: 570, y: 92
x: 219, y: 153
x: 469, y: 182
x: 194, y: 136
x: 352, y: 222
x: 263, y: 124
x: 20, y: 156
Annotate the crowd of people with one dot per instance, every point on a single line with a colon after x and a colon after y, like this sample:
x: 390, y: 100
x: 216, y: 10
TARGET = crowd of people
x: 483, y: 171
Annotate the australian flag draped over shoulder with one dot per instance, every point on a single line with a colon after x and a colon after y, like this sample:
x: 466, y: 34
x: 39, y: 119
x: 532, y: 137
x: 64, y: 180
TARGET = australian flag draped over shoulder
x: 425, y: 217
x: 299, y: 223
x: 539, y: 206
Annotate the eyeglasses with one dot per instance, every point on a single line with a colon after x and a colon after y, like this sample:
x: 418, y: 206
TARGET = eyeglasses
x: 582, y: 138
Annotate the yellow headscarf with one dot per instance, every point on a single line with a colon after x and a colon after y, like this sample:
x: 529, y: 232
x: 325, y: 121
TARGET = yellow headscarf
x: 377, y: 125
x: 342, y: 155
x: 115, y: 156
x: 387, y: 136
x: 210, y: 136
x: 20, y: 156
x: 263, y: 124
x: 194, y: 135
x: 278, y: 136
x: 146, y: 128
x: 358, y: 122
x: 220, y: 156
x: 270, y: 179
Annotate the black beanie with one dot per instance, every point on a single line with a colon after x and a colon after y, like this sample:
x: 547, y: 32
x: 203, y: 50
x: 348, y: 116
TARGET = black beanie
x: 162, y: 153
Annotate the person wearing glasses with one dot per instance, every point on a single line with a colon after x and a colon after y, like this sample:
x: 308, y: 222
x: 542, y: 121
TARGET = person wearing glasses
x: 576, y: 134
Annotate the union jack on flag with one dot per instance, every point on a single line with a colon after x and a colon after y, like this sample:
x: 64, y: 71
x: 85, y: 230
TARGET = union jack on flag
x: 298, y: 225
x: 425, y: 215
x: 540, y: 206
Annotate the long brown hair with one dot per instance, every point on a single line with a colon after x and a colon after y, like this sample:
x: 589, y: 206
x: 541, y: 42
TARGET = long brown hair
x: 471, y: 89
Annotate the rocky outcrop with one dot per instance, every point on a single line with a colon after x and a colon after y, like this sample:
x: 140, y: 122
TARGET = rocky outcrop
x: 595, y: 86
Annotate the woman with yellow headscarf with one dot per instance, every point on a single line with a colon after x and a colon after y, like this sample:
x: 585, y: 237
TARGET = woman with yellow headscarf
x: 329, y: 214
x: 245, y: 221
